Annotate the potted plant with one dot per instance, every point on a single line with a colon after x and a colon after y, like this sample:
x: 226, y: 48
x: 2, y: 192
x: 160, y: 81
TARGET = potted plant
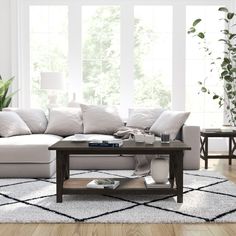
x: 5, y: 98
x: 224, y: 63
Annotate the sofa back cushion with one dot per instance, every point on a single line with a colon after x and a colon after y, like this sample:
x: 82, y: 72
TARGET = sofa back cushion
x: 100, y: 119
x: 169, y: 122
x: 64, y: 121
x: 143, y: 117
x: 11, y: 124
x: 35, y: 119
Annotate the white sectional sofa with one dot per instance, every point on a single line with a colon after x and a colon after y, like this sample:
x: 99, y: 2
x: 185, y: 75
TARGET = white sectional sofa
x: 28, y: 155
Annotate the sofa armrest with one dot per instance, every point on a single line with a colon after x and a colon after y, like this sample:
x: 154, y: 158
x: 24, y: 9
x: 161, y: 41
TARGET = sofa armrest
x: 191, y: 137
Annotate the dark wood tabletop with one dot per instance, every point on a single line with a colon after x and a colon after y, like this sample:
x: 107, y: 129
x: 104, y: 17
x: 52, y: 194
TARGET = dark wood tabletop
x: 128, y: 147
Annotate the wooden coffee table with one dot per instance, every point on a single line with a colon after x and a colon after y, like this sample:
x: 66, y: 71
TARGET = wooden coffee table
x: 67, y: 185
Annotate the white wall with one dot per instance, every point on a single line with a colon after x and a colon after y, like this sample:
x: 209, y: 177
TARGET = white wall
x: 5, y: 39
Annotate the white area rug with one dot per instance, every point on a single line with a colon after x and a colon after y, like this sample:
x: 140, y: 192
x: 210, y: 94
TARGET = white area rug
x: 208, y: 197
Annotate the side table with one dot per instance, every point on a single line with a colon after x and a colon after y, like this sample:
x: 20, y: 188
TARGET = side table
x: 205, y: 135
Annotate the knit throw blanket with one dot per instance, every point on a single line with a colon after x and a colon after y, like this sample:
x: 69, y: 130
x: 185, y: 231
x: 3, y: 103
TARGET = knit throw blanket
x: 142, y: 162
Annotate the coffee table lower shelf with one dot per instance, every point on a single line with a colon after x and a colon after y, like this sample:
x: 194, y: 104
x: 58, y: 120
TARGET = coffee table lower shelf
x: 78, y: 185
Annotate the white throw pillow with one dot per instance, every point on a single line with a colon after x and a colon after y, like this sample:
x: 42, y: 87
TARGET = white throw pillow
x: 169, y: 122
x: 143, y: 117
x: 11, y: 124
x: 100, y: 119
x: 64, y: 121
x: 35, y: 119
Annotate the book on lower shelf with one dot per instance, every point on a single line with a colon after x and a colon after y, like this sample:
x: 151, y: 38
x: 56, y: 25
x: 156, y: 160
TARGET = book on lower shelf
x: 103, y: 184
x: 150, y: 183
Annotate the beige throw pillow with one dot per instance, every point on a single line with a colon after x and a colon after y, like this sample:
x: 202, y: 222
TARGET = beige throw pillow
x: 100, y: 119
x: 143, y: 117
x: 35, y: 119
x: 11, y: 124
x: 64, y: 121
x: 169, y: 122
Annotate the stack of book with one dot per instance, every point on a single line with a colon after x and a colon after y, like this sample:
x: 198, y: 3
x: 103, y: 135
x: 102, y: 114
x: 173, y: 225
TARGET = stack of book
x: 103, y: 184
x: 109, y: 143
x: 150, y: 183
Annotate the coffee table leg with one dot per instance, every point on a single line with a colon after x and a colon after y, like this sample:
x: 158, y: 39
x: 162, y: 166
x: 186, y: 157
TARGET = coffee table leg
x: 171, y: 169
x: 59, y: 175
x: 67, y: 166
x: 179, y: 176
x: 230, y: 151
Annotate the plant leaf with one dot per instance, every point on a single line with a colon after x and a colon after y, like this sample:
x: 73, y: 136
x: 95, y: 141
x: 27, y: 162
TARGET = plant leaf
x: 230, y: 15
x: 6, y: 102
x: 228, y: 78
x: 225, y: 31
x: 224, y: 73
x: 201, y: 35
x: 191, y: 30
x: 196, y: 22
x: 228, y: 86
x: 232, y: 36
x: 223, y: 40
x: 215, y: 96
x: 224, y: 9
x: 227, y: 60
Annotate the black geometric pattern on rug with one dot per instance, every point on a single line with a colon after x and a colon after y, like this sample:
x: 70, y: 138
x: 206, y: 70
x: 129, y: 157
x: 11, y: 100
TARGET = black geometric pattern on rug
x: 130, y: 202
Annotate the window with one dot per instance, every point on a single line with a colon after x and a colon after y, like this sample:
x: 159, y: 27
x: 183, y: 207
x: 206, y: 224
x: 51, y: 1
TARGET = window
x: 153, y: 55
x: 118, y: 52
x: 48, y: 49
x: 101, y: 54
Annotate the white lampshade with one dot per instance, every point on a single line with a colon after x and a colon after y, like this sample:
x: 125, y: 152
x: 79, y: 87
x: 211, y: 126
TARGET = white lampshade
x: 51, y: 80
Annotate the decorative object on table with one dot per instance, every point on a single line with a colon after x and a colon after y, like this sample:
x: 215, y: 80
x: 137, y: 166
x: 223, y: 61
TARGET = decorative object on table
x: 223, y: 65
x: 52, y: 81
x: 149, y: 138
x: 151, y: 183
x: 165, y: 138
x: 139, y: 138
x: 103, y: 184
x: 5, y: 98
x: 160, y: 170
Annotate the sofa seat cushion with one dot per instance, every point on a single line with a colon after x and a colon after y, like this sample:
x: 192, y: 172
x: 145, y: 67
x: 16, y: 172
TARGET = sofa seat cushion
x: 28, y: 148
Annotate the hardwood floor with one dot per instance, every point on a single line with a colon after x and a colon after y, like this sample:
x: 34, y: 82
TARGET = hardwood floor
x: 131, y: 229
